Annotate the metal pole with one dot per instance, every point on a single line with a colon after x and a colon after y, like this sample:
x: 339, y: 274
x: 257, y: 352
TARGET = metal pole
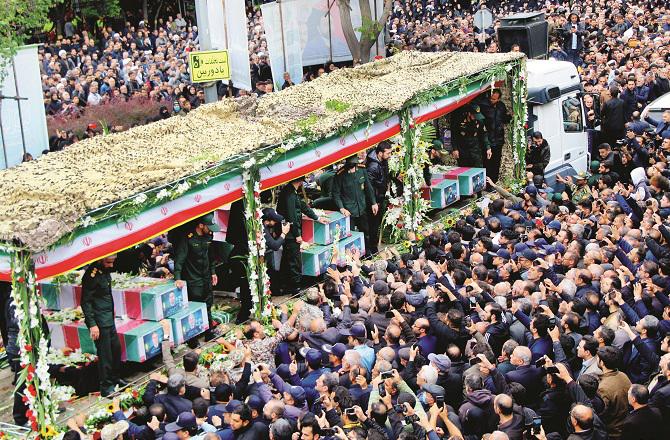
x: 225, y: 37
x: 330, y: 31
x: 18, y: 104
x: 381, y: 33
x: 281, y: 27
x: 2, y: 135
x: 205, y: 44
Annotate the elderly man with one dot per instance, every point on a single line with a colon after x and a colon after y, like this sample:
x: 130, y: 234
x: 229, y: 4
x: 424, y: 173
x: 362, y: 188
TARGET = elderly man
x: 526, y: 374
x: 262, y: 346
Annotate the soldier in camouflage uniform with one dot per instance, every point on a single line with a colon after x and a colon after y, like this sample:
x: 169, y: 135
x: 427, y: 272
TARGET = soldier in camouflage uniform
x: 192, y: 263
x: 97, y: 303
x: 469, y: 138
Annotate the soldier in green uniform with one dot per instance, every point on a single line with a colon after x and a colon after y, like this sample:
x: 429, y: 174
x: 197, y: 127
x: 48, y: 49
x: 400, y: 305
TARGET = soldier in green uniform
x: 192, y: 263
x: 97, y: 303
x: 325, y: 182
x: 291, y: 206
x: 353, y: 195
x: 470, y: 138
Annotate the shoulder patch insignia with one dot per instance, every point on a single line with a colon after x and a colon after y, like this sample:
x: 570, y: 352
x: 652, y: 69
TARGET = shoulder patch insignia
x: 190, y: 235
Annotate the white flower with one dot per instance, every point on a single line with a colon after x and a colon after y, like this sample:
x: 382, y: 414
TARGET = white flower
x: 163, y: 194
x: 249, y: 163
x: 140, y: 199
x: 88, y: 221
x: 182, y: 188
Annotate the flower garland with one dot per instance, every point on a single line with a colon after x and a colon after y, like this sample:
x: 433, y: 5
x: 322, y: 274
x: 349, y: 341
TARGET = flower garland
x: 519, y: 87
x: 409, y: 157
x: 259, y: 281
x: 40, y: 395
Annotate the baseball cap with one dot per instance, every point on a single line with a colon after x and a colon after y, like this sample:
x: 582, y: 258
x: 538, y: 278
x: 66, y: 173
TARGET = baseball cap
x: 298, y: 394
x: 503, y: 253
x: 232, y: 406
x: 114, y: 430
x: 352, y: 160
x: 208, y: 220
x: 357, y: 331
x: 554, y: 224
x: 441, y: 361
x: 255, y: 402
x: 531, y: 190
x: 185, y: 420
x: 435, y: 390
x: 313, y: 358
x: 529, y: 254
x: 271, y: 214
x: 337, y: 349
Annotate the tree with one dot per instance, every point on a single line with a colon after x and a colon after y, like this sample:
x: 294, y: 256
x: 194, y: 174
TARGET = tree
x: 19, y: 19
x: 103, y: 8
x: 369, y: 29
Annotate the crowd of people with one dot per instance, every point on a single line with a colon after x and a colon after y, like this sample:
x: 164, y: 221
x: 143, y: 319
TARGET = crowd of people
x: 541, y: 315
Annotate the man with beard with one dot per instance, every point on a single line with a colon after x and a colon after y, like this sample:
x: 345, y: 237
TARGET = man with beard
x: 97, y: 303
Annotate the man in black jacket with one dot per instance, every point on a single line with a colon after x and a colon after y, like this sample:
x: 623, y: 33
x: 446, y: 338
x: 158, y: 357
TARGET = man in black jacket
x: 538, y: 154
x: 614, y: 118
x: 274, y: 240
x: 495, y: 117
x: 377, y: 168
x: 644, y: 422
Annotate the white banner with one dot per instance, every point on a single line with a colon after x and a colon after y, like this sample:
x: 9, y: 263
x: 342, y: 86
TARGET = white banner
x: 228, y: 23
x: 284, y: 50
x: 27, y: 84
x: 319, y: 34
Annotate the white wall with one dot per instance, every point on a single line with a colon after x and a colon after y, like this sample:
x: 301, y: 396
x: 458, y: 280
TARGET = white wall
x: 28, y: 84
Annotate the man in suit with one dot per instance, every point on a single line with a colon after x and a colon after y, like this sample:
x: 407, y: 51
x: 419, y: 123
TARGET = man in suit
x: 614, y: 118
x: 586, y: 351
x: 644, y: 422
x: 526, y: 374
x: 660, y: 390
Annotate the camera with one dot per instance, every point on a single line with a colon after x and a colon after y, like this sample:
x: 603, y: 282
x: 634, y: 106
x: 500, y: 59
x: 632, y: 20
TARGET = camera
x: 327, y: 432
x: 411, y: 419
x: 399, y: 408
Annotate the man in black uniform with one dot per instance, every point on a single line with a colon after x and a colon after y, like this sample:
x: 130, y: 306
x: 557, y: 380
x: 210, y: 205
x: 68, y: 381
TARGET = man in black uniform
x: 97, y: 303
x: 192, y: 263
x: 496, y: 116
x: 354, y: 195
x: 292, y: 207
x: 378, y: 173
x: 470, y: 138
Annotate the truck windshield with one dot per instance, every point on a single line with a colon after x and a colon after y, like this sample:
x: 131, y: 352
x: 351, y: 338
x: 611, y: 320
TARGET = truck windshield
x: 572, y: 115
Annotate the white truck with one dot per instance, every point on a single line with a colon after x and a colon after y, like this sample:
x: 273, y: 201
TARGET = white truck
x: 555, y: 109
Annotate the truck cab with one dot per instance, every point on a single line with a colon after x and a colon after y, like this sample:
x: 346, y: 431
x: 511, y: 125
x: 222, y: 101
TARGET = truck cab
x: 555, y: 109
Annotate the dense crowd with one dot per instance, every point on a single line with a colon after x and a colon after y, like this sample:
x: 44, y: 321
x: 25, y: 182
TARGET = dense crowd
x: 540, y: 315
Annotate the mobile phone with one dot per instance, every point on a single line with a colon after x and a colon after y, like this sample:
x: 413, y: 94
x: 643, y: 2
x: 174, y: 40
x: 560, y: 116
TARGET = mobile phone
x: 552, y: 370
x: 537, y: 425
x: 540, y: 362
x: 389, y: 314
x: 399, y: 408
x: 349, y: 411
x: 552, y: 323
x: 473, y: 301
x: 439, y: 400
x: 509, y: 300
x: 474, y: 361
x: 411, y: 419
x: 387, y: 374
x: 382, y: 390
x: 327, y: 432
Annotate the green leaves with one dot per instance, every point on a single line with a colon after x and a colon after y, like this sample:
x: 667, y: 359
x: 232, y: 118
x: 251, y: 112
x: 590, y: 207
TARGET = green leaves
x: 337, y: 106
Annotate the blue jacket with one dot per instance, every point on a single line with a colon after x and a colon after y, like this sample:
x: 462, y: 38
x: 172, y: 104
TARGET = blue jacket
x: 174, y: 405
x: 530, y: 377
x: 662, y: 129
